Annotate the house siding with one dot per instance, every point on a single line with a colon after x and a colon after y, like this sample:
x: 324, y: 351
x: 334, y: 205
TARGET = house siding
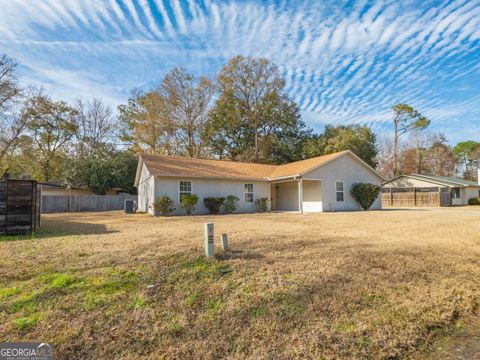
x: 212, y: 187
x: 146, y: 191
x: 472, y: 192
x: 350, y: 171
x: 287, y: 196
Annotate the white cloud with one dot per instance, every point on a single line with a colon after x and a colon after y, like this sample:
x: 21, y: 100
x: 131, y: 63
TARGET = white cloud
x: 340, y: 64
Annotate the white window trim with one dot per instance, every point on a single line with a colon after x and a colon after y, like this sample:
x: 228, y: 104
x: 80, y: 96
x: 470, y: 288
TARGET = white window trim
x: 191, y: 189
x: 454, y: 193
x: 245, y: 193
x: 343, y: 191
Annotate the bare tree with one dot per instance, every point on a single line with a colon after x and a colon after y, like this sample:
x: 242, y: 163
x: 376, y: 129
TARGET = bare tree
x: 12, y: 119
x: 96, y: 127
x: 9, y: 88
x: 187, y: 101
x: 144, y: 125
x: 405, y: 119
x: 385, y: 156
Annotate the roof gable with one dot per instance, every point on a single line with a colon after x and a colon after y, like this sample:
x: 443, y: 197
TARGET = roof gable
x: 437, y: 180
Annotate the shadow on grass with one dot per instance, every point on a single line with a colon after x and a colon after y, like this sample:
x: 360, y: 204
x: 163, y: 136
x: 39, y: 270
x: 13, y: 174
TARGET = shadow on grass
x: 59, y: 229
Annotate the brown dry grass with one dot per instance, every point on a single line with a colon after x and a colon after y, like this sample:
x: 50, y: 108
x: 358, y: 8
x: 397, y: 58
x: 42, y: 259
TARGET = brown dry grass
x: 376, y: 285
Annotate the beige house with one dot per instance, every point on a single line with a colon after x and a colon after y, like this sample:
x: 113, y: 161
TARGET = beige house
x: 456, y: 191
x: 313, y: 185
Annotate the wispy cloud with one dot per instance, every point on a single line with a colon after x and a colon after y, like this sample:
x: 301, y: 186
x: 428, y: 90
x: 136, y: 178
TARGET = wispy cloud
x: 341, y: 63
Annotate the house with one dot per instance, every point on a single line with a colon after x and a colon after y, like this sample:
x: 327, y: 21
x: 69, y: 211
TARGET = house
x: 313, y: 185
x: 425, y: 190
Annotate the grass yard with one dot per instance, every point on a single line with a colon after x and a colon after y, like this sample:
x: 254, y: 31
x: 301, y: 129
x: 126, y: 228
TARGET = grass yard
x: 373, y: 285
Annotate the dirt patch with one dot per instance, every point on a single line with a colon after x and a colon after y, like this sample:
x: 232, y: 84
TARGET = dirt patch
x: 375, y: 285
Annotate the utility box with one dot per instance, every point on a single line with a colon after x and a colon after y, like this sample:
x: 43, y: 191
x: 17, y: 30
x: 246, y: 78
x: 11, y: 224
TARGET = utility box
x: 208, y: 239
x: 129, y: 206
x: 225, y: 242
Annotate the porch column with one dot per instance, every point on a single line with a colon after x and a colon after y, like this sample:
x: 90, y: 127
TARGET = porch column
x: 300, y: 195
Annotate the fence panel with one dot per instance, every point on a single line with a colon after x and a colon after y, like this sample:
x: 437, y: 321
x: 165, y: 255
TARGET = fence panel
x: 411, y: 197
x: 18, y: 206
x: 81, y: 203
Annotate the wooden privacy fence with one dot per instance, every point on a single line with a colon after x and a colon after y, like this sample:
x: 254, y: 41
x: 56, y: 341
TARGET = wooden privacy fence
x: 80, y: 203
x: 413, y: 197
x: 19, y: 206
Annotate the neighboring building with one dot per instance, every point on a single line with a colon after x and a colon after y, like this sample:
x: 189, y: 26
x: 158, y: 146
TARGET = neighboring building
x: 58, y: 188
x: 313, y: 185
x: 424, y: 190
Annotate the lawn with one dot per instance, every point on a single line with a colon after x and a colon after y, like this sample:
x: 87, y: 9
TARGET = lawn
x: 374, y: 285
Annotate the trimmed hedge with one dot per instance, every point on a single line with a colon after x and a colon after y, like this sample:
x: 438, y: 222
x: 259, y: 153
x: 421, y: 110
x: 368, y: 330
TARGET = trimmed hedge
x: 189, y: 202
x: 231, y: 204
x: 474, y: 201
x: 214, y: 204
x: 365, y: 194
x: 163, y: 206
x: 262, y: 204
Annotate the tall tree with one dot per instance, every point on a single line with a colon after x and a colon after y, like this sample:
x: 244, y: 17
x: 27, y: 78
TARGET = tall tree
x: 102, y: 173
x: 441, y: 159
x: 9, y: 87
x: 468, y: 155
x: 187, y: 100
x: 145, y: 127
x: 52, y: 125
x: 252, y: 112
x: 358, y: 139
x: 385, y: 156
x: 12, y: 119
x: 405, y: 119
x: 96, y: 127
x: 427, y: 153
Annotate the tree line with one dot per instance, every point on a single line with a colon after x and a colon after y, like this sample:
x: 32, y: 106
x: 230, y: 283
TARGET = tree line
x: 244, y: 114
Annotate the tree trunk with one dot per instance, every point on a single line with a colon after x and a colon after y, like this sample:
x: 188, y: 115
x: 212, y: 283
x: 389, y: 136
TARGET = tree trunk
x: 395, y: 148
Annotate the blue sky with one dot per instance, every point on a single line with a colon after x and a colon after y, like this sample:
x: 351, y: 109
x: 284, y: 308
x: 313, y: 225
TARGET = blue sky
x: 344, y: 61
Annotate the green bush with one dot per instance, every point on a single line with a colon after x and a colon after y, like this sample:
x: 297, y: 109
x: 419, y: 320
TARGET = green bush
x: 262, y: 204
x: 474, y: 201
x: 365, y: 194
x: 214, y: 204
x: 163, y: 206
x: 188, y: 202
x: 231, y: 204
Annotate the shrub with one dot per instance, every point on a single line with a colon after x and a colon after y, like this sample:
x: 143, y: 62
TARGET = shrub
x: 188, y: 202
x: 163, y: 206
x: 365, y: 194
x: 474, y: 201
x: 262, y: 204
x: 231, y: 204
x: 214, y: 204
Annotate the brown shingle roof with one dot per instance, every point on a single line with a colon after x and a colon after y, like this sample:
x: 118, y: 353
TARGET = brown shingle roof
x: 206, y: 168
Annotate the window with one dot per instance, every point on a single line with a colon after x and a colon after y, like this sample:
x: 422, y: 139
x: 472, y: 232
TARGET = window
x: 184, y: 187
x: 249, y: 193
x: 339, y: 190
x: 456, y: 193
